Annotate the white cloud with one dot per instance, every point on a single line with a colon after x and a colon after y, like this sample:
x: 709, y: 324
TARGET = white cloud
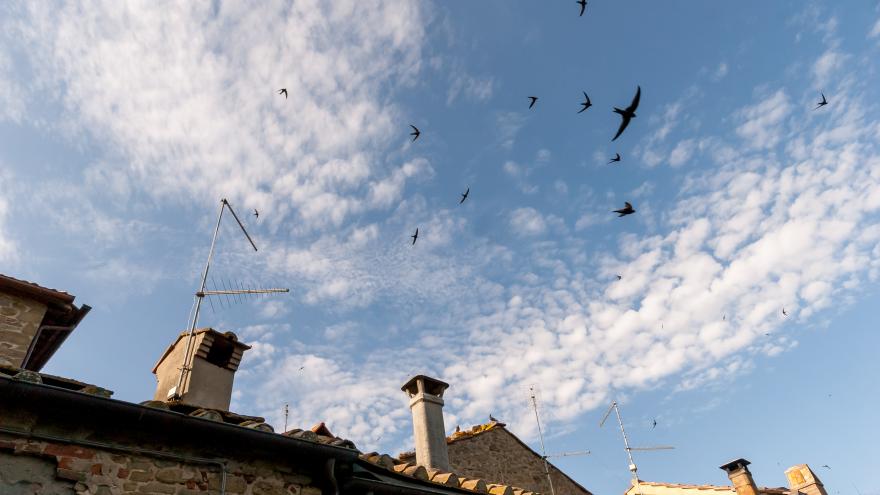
x: 720, y: 72
x: 473, y: 88
x: 875, y: 31
x: 12, y: 95
x: 828, y: 63
x: 508, y: 125
x: 761, y: 126
x: 694, y: 303
x: 682, y: 152
x: 192, y: 109
x: 527, y: 222
x: 8, y: 248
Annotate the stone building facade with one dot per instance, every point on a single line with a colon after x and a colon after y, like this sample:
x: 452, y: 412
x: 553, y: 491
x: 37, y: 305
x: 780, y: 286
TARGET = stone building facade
x: 491, y: 451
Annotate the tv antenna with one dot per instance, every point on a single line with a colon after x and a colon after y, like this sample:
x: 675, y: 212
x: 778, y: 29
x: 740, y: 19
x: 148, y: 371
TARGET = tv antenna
x: 544, y: 455
x: 286, y: 413
x: 200, y: 294
x: 629, y: 450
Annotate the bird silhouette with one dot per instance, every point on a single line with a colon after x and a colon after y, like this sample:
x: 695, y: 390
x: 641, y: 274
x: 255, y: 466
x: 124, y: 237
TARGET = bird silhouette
x: 457, y: 428
x: 587, y: 104
x: 629, y: 113
x: 655, y: 424
x: 492, y: 418
x: 723, y: 317
x: 615, y: 159
x: 783, y: 312
x: 301, y: 368
x: 826, y: 466
x: 464, y: 195
x: 619, y: 277
x: 256, y: 213
x: 283, y: 91
x: 532, y: 102
x: 583, y: 4
x: 821, y: 103
x: 415, y: 236
x: 415, y: 133
x: 626, y: 210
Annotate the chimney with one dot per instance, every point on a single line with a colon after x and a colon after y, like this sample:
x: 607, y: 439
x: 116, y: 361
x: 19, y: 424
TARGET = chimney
x: 739, y: 475
x: 802, y: 479
x: 426, y: 403
x: 213, y: 360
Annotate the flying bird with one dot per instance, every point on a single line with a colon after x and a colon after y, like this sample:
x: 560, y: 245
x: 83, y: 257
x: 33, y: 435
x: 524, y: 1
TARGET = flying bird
x: 784, y: 313
x: 583, y: 4
x: 822, y: 103
x: 628, y: 114
x: 655, y: 424
x: 826, y: 466
x: 626, y: 210
x: 587, y: 104
x: 301, y: 368
x: 464, y: 195
x: 256, y: 213
x: 415, y: 133
x: 283, y: 91
x: 615, y: 159
x: 532, y: 102
x: 619, y: 277
x: 415, y: 236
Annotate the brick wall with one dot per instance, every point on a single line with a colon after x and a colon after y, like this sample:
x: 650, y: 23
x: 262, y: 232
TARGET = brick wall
x: 47, y: 468
x: 19, y: 320
x: 498, y: 456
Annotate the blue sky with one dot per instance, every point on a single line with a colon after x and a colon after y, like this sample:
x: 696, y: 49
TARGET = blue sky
x: 121, y: 127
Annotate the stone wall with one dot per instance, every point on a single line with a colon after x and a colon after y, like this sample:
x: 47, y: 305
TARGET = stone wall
x: 19, y: 321
x: 497, y: 456
x: 38, y: 467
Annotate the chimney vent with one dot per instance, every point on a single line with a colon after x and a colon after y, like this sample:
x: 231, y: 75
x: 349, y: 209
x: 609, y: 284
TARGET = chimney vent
x: 213, y: 361
x: 802, y: 479
x: 739, y: 475
x: 426, y: 404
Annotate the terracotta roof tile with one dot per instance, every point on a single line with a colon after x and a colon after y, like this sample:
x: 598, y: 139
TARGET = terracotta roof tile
x: 717, y: 488
x: 477, y: 485
x: 443, y: 478
x: 500, y: 490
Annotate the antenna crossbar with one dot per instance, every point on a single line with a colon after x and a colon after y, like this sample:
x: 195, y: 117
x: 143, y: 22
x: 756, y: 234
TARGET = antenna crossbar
x: 568, y: 454
x: 239, y: 291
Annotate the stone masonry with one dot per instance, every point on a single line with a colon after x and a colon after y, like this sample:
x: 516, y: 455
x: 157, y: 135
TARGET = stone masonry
x: 497, y: 454
x: 36, y: 467
x: 19, y: 321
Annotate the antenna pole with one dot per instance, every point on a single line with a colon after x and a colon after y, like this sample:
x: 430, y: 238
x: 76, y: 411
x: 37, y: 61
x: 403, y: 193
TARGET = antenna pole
x: 632, y: 463
x: 286, y: 412
x: 541, y: 436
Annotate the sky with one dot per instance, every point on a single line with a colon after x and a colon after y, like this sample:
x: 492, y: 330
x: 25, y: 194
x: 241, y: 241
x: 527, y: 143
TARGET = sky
x: 122, y: 125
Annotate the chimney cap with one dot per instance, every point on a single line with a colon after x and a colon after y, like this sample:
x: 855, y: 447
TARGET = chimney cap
x: 736, y: 464
x: 433, y: 386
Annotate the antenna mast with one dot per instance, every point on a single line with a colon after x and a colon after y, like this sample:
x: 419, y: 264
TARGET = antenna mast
x: 201, y: 293
x: 632, y: 463
x: 541, y: 435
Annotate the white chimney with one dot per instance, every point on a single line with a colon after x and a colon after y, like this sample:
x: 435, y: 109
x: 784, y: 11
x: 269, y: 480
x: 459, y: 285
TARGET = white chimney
x: 426, y: 404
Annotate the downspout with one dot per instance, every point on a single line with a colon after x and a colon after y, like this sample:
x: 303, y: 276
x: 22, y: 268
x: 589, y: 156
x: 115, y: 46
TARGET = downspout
x: 123, y: 448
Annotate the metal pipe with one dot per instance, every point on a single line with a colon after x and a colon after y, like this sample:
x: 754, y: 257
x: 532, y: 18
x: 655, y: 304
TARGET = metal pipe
x: 543, y: 450
x: 195, y: 319
x: 124, y: 448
